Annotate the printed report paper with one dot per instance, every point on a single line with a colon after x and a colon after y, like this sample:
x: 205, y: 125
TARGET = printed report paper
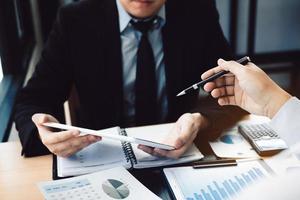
x: 112, y: 184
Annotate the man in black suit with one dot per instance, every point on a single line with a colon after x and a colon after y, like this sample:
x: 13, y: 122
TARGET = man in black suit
x: 127, y: 60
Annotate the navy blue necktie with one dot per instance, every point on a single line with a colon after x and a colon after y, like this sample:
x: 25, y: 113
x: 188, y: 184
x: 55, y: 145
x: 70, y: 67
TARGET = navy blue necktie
x: 145, y: 84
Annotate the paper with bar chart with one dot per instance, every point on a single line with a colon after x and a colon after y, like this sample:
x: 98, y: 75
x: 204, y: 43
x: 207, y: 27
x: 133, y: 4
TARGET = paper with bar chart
x: 214, y: 183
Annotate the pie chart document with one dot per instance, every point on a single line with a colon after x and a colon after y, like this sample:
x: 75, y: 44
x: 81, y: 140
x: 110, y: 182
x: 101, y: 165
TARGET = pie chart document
x: 231, y: 144
x: 115, y: 183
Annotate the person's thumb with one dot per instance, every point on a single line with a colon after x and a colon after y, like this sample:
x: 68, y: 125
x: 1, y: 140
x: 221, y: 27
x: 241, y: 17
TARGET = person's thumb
x: 221, y: 62
x: 231, y: 66
x: 40, y: 118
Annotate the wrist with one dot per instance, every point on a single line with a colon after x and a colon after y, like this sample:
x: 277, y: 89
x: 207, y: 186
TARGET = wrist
x: 205, y: 122
x: 277, y: 100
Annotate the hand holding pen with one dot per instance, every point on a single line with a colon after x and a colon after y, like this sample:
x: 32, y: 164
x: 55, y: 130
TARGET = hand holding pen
x: 248, y: 87
x: 242, y: 61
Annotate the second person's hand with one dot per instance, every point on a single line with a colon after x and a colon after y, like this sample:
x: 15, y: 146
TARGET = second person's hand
x: 248, y: 87
x: 63, y: 143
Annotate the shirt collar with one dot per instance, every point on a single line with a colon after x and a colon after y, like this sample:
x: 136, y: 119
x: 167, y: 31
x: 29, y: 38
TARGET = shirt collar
x: 125, y: 18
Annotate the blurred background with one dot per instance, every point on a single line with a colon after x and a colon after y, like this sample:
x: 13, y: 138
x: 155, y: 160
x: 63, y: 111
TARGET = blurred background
x: 266, y: 30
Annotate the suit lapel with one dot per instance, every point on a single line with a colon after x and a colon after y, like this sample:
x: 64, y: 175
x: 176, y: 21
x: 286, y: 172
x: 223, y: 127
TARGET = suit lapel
x: 113, y: 59
x: 174, y: 51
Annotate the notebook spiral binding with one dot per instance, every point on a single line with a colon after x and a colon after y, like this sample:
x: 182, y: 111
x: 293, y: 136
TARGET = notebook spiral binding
x: 127, y: 149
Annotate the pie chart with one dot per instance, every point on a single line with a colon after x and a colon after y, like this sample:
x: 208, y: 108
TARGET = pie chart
x: 231, y: 139
x: 115, y: 189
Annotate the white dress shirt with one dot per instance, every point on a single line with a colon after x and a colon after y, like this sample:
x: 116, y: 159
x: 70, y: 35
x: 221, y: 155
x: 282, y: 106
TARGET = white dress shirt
x: 130, y: 39
x: 286, y: 121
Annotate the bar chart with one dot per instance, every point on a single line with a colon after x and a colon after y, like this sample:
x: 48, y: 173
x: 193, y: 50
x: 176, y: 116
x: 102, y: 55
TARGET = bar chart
x: 214, y: 183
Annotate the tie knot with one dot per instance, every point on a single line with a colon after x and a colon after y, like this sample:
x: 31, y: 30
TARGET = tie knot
x: 143, y: 26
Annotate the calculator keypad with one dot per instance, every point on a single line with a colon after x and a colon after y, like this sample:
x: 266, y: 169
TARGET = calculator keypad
x: 259, y: 131
x: 263, y: 139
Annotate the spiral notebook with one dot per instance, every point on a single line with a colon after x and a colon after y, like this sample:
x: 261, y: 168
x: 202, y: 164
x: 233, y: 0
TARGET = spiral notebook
x: 111, y: 153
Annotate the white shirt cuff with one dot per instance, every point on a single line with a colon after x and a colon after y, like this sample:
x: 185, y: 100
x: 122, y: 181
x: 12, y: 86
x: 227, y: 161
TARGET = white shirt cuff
x: 286, y: 121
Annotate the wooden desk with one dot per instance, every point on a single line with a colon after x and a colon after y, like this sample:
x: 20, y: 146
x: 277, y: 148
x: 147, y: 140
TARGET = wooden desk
x: 18, y: 175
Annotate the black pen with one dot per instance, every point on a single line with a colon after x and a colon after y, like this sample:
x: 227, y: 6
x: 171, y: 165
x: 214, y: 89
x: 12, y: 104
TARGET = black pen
x: 242, y: 61
x: 214, y: 163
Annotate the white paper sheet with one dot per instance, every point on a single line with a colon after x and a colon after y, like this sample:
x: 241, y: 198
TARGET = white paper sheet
x: 116, y: 183
x: 231, y: 144
x: 214, y: 183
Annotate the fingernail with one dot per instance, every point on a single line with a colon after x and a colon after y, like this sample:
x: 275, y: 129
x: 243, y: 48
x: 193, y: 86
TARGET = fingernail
x: 94, y: 139
x: 35, y: 118
x: 90, y: 138
x: 221, y: 61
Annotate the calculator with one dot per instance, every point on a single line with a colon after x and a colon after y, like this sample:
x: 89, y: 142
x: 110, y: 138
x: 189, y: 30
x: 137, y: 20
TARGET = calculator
x: 263, y: 138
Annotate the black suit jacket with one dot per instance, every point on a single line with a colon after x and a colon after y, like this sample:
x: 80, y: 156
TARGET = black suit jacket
x: 84, y: 50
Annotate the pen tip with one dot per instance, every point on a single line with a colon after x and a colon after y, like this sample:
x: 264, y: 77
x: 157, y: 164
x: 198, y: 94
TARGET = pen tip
x: 180, y: 94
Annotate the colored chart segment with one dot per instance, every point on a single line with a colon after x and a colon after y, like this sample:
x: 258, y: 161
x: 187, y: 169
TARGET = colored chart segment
x: 231, y: 139
x: 115, y: 189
